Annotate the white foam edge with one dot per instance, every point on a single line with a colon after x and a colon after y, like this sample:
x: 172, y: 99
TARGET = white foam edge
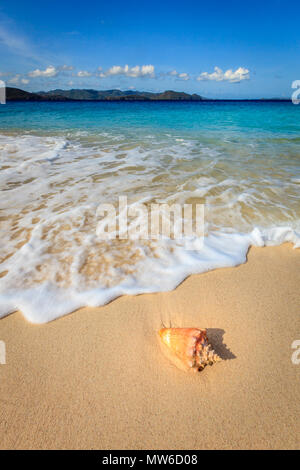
x: 46, y: 302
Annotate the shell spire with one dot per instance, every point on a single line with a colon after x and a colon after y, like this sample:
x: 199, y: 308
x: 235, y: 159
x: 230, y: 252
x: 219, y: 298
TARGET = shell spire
x: 188, y: 348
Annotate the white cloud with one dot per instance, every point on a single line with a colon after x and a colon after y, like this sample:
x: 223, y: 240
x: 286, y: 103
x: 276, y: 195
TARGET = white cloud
x: 180, y: 76
x: 184, y: 76
x: 138, y: 71
x: 229, y: 76
x: 135, y: 72
x: 84, y: 73
x: 17, y: 79
x: 13, y: 41
x: 48, y: 72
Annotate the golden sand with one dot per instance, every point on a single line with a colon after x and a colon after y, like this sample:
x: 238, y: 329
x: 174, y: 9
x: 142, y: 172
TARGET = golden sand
x: 97, y: 378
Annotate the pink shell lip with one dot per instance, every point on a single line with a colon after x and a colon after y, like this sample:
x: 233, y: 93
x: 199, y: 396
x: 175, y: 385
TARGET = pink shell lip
x: 188, y: 348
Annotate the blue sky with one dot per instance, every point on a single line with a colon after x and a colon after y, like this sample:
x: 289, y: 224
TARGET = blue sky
x: 222, y: 49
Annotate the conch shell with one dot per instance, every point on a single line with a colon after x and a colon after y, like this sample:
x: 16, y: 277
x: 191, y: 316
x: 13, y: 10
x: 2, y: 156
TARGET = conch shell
x: 188, y: 348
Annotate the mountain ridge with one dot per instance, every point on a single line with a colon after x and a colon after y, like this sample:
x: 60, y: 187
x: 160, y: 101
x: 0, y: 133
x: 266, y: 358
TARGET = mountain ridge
x: 16, y: 94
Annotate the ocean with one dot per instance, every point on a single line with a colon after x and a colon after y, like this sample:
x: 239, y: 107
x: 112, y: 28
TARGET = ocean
x: 60, y: 161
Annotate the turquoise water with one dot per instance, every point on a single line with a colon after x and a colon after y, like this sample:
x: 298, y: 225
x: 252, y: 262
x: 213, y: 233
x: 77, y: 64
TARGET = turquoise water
x: 247, y: 117
x: 59, y: 161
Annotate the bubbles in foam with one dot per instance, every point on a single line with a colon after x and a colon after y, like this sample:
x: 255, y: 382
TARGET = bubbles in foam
x: 51, y: 260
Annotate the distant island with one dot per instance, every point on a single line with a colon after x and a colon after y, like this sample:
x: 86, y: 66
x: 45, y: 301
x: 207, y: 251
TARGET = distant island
x: 16, y: 94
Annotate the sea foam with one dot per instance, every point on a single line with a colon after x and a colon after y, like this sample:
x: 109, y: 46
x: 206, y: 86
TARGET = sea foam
x: 47, y: 301
x: 52, y: 262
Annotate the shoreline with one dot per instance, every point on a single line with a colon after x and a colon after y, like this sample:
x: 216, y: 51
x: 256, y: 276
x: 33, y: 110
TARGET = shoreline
x: 96, y: 378
x: 217, y: 252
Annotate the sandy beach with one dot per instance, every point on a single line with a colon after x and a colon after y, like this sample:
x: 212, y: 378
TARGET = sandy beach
x: 96, y: 379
